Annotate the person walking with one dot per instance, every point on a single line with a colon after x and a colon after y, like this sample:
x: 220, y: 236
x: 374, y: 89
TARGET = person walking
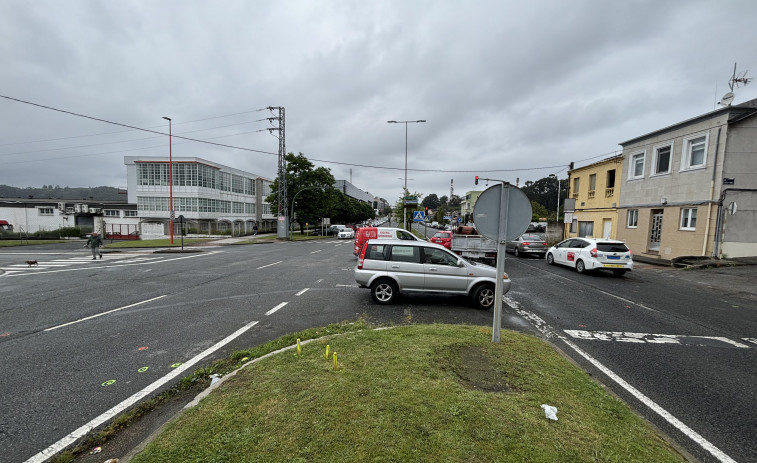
x: 94, y: 242
x: 255, y: 230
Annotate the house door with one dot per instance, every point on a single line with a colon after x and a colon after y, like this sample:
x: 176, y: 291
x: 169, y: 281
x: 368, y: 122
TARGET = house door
x: 607, y: 228
x: 655, y: 233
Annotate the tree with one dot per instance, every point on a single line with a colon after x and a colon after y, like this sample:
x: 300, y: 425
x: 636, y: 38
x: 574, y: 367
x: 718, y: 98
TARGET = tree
x: 538, y: 211
x: 544, y: 191
x: 431, y: 201
x: 315, y: 197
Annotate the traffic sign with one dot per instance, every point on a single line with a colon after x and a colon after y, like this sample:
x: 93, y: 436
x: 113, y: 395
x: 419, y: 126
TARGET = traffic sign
x: 419, y: 216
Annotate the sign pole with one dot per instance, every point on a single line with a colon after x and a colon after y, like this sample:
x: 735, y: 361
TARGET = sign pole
x: 501, y: 246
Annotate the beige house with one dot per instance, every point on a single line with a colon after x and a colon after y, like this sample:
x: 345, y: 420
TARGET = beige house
x: 596, y: 191
x: 690, y: 189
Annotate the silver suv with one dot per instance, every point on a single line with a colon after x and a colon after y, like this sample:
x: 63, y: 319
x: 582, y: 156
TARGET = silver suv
x: 390, y: 267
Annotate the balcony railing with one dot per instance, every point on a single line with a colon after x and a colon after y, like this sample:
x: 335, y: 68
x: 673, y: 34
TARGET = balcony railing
x: 609, y: 192
x: 575, y: 195
x: 591, y: 194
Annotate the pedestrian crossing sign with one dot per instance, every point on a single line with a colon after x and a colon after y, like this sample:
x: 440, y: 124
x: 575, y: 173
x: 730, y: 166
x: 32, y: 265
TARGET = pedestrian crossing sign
x: 419, y: 216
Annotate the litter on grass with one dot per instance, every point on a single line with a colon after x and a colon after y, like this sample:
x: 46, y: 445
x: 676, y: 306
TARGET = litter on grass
x: 550, y: 411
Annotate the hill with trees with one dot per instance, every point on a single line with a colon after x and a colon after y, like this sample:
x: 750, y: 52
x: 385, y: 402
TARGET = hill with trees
x: 99, y: 193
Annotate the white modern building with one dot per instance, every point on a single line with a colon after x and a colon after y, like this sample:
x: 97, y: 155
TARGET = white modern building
x: 211, y: 198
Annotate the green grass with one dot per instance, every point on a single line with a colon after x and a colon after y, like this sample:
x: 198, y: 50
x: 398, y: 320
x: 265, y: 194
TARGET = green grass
x: 9, y: 243
x: 411, y: 393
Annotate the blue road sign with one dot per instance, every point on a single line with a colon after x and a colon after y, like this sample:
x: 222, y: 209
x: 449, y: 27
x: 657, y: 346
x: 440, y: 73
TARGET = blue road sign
x: 419, y: 216
x: 459, y: 220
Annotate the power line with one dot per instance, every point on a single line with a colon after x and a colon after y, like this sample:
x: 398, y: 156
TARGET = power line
x: 131, y: 126
x: 276, y: 154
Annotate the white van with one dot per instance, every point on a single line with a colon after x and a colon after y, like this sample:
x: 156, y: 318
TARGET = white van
x: 380, y: 233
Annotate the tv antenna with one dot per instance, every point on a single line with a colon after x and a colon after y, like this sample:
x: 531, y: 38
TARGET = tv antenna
x: 738, y: 80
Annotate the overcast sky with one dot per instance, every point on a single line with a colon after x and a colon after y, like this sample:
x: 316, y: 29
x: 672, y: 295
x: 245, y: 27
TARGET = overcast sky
x: 510, y: 90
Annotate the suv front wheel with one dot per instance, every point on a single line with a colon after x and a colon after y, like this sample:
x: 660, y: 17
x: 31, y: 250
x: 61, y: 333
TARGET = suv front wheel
x: 483, y: 296
x: 384, y: 291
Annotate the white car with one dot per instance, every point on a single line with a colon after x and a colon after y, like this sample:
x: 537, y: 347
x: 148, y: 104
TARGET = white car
x: 586, y: 254
x: 346, y: 234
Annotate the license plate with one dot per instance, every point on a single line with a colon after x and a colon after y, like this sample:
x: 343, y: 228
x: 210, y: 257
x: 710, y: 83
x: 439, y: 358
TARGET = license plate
x: 613, y: 257
x: 614, y: 265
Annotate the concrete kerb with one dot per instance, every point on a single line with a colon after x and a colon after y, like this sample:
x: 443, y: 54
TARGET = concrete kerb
x: 131, y: 454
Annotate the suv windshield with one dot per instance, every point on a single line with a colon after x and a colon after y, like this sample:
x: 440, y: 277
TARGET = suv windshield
x: 612, y: 247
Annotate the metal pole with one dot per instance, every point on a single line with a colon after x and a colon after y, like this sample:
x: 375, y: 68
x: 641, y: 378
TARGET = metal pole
x: 404, y: 206
x: 501, y: 246
x: 170, y: 177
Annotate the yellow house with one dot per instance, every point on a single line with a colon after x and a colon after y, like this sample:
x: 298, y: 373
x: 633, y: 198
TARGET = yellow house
x: 596, y: 191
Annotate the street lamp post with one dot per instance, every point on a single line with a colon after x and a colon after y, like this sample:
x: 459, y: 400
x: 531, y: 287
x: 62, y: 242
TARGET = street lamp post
x: 404, y: 215
x: 170, y: 178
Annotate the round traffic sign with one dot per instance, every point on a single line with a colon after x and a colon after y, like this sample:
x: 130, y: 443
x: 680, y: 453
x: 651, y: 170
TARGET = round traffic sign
x: 502, y: 205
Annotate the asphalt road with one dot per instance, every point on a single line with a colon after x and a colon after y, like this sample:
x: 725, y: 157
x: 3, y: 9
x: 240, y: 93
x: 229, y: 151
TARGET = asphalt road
x: 666, y: 341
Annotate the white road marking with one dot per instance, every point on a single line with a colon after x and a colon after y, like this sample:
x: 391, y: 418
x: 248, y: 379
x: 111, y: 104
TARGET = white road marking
x: 302, y: 292
x: 313, y: 252
x: 113, y: 412
x: 275, y: 263
x: 14, y: 273
x: 752, y: 340
x: 319, y: 281
x: 273, y: 310
x: 105, y: 313
x: 643, y: 338
x: 347, y: 286
x: 545, y: 329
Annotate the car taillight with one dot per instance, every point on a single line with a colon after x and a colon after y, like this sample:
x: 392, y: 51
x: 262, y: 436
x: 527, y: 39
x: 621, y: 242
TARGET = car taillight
x: 593, y: 252
x: 361, y: 257
x: 526, y: 243
x: 544, y: 243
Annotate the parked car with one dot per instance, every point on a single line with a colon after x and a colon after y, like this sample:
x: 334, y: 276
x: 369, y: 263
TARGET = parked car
x: 586, y: 254
x: 434, y: 224
x: 391, y: 267
x: 528, y: 243
x: 442, y: 237
x: 335, y: 229
x: 346, y: 234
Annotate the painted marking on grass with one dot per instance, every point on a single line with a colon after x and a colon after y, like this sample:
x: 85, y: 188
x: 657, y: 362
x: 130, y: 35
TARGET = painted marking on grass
x: 275, y: 263
x: 649, y: 338
x: 113, y: 412
x: 302, y: 292
x: 545, y: 329
x: 273, y: 310
x: 104, y: 313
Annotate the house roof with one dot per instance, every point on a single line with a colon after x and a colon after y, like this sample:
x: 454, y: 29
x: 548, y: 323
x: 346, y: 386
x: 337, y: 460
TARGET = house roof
x: 735, y: 113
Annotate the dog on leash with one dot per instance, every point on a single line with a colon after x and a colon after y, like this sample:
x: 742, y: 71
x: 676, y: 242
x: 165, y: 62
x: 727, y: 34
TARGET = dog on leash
x: 31, y: 262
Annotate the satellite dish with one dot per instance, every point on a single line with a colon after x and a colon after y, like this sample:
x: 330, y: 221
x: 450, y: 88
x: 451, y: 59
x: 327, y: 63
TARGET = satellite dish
x: 727, y: 99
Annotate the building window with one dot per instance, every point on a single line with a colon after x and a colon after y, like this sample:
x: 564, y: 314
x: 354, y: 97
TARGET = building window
x: 633, y: 218
x: 576, y: 184
x: 586, y: 229
x: 636, y: 169
x: 130, y: 213
x: 573, y: 225
x: 689, y: 218
x: 592, y: 185
x: 45, y: 211
x: 111, y: 213
x: 694, y: 152
x: 661, y: 161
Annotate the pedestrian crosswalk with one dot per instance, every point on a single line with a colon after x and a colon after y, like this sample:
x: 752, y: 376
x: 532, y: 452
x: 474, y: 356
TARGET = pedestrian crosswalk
x: 70, y: 262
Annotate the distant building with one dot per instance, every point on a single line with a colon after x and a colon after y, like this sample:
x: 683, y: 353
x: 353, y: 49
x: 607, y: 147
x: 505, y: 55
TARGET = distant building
x: 467, y: 203
x: 31, y: 215
x: 211, y: 197
x: 595, y: 189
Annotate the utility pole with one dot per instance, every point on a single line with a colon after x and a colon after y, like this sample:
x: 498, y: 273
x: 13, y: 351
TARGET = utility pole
x: 283, y: 221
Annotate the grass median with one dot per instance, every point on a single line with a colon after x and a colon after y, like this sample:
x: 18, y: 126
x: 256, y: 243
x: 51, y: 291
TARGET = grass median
x: 410, y: 393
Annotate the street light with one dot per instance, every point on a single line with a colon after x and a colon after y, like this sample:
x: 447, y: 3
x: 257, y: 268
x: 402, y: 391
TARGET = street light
x: 404, y: 215
x: 170, y: 177
x: 557, y: 213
